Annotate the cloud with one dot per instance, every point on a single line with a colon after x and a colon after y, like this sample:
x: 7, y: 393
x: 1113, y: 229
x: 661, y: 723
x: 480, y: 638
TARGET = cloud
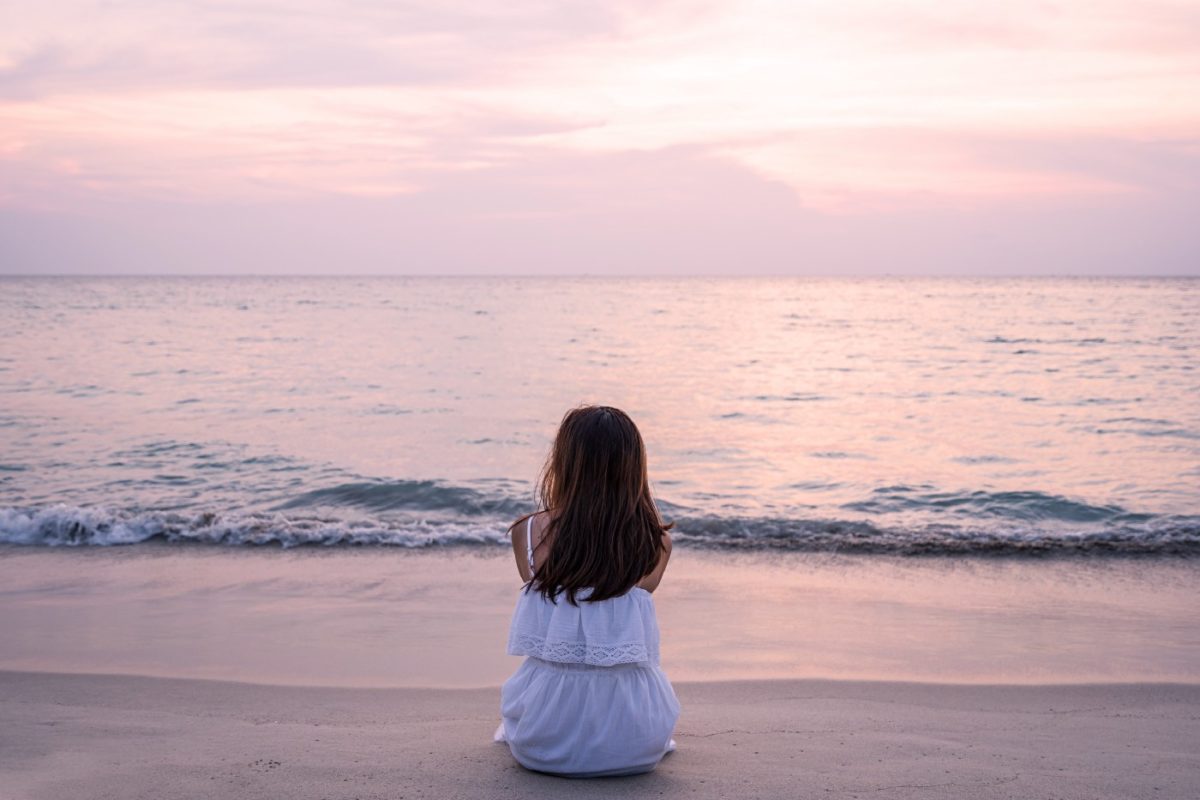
x: 145, y: 45
x: 1162, y: 166
x: 1153, y: 26
x: 706, y: 132
x: 678, y: 211
x: 849, y: 169
x: 669, y: 211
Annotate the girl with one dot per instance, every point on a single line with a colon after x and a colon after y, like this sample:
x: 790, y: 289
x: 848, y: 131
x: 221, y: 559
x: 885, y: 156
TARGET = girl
x: 590, y: 698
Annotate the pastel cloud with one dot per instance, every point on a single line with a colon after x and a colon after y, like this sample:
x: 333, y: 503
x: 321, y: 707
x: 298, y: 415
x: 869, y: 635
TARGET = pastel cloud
x: 820, y: 117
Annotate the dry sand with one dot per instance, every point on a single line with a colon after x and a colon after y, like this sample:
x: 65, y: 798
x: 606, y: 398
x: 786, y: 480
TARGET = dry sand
x: 95, y: 737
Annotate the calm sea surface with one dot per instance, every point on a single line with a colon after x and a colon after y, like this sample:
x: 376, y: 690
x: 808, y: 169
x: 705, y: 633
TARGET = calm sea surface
x: 896, y: 415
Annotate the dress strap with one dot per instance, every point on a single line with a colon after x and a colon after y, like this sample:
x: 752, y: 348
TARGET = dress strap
x: 529, y: 542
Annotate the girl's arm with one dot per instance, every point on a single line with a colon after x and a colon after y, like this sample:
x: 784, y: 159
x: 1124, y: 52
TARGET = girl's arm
x: 517, y: 534
x: 650, y: 582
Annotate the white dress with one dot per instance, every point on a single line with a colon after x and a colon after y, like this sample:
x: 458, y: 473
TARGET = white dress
x: 590, y: 698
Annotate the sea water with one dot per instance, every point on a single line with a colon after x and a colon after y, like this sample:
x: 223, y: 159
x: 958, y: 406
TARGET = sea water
x: 894, y: 416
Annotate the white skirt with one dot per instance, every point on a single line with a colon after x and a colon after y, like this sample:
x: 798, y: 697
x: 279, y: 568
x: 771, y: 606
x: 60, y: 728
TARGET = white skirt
x: 584, y: 721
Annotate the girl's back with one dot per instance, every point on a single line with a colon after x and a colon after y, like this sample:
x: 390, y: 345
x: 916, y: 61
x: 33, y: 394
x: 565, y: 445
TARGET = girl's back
x: 590, y: 699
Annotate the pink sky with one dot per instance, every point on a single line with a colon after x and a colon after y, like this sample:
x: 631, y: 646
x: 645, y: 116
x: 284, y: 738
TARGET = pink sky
x: 827, y: 137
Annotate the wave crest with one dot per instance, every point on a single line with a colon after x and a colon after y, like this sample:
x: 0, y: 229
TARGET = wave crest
x: 66, y: 526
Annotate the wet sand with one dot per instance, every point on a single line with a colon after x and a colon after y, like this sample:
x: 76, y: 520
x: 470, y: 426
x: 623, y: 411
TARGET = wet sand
x: 438, y: 618
x: 97, y: 737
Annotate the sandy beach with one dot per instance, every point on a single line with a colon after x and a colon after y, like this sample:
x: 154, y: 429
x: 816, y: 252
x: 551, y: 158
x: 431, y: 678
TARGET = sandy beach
x: 799, y: 677
x: 96, y: 737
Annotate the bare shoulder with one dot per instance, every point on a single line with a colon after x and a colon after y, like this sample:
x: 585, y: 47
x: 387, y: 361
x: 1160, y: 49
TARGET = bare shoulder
x: 516, y: 532
x: 650, y: 582
x: 541, y: 542
x: 535, y: 524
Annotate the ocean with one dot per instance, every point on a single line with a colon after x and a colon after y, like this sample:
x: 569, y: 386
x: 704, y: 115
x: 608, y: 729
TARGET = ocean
x: 910, y: 416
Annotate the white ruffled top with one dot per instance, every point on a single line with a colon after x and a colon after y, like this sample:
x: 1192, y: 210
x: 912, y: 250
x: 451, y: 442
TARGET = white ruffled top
x: 619, y: 630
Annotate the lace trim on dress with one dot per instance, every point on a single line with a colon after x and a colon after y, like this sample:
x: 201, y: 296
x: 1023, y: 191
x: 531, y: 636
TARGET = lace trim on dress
x: 600, y: 655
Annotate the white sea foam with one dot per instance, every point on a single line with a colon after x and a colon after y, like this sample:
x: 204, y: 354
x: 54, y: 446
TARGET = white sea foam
x: 65, y: 526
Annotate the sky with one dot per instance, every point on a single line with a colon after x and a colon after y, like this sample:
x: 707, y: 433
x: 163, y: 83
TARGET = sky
x: 821, y: 137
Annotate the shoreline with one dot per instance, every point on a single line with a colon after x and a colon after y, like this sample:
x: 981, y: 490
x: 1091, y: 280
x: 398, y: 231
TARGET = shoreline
x: 1065, y: 683
x: 119, y: 736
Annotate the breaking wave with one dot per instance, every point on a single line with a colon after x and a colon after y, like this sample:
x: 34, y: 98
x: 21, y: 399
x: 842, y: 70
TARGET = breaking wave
x: 67, y: 526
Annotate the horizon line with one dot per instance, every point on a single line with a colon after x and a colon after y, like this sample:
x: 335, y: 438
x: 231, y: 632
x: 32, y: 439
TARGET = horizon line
x: 591, y: 275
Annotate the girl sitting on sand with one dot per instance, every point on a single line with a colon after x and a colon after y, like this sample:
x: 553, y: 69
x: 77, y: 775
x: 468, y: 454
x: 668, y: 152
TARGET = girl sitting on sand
x: 590, y: 698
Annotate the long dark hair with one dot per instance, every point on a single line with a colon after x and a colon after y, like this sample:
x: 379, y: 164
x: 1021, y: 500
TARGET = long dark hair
x: 607, y: 531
